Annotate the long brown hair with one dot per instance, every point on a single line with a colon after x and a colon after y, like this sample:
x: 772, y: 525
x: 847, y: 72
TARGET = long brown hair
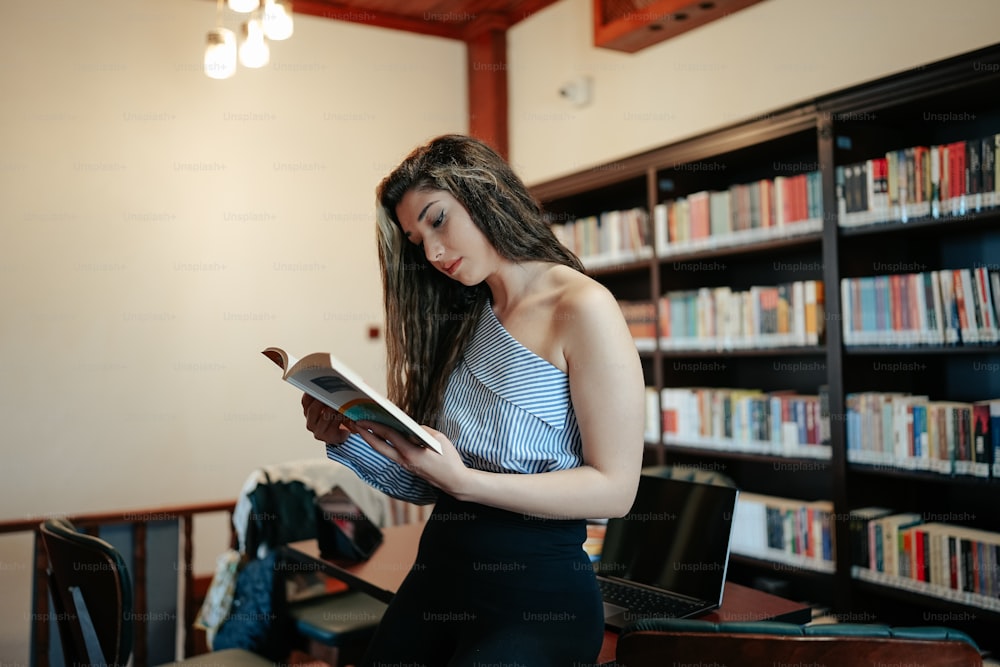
x: 430, y: 317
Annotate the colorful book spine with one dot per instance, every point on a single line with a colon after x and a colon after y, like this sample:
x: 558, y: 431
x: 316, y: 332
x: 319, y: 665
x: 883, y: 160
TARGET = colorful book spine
x: 915, y: 433
x: 719, y: 318
x: 939, y: 181
x: 943, y: 307
x: 742, y: 214
x: 791, y: 532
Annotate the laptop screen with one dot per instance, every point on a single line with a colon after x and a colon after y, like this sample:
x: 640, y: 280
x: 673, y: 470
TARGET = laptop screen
x: 676, y: 537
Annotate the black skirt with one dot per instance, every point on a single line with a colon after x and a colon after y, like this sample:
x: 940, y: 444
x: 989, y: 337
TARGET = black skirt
x: 492, y: 587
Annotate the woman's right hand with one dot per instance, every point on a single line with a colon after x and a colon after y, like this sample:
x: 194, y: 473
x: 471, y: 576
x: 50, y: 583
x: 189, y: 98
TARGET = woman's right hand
x: 325, y: 423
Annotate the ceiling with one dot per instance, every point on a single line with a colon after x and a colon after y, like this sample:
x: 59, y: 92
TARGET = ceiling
x: 454, y: 19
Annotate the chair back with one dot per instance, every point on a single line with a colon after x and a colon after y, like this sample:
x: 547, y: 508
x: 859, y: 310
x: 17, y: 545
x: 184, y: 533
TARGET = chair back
x: 91, y: 595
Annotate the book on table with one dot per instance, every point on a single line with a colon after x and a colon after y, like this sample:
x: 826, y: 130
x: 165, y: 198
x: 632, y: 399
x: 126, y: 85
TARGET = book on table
x: 327, y: 379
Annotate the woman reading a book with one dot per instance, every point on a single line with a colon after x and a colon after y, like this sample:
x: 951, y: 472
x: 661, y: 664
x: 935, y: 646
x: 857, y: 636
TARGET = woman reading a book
x: 524, y: 370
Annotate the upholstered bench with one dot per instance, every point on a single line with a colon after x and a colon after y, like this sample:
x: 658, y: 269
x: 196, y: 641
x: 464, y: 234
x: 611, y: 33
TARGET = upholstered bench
x: 766, y: 644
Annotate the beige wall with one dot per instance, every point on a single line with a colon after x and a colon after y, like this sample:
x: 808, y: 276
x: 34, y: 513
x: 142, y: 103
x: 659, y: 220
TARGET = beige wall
x: 161, y: 228
x: 776, y: 53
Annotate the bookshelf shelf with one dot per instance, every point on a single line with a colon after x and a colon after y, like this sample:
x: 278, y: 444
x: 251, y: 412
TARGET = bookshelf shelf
x: 971, y: 222
x: 922, y: 476
x: 948, y: 103
x: 778, y: 351
x: 753, y: 452
x: 785, y: 580
x: 779, y: 562
x: 909, y: 589
x: 903, y: 350
x: 742, y: 243
x: 782, y: 567
x: 789, y: 244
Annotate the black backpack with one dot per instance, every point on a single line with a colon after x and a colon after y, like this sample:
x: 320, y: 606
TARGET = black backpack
x: 280, y: 512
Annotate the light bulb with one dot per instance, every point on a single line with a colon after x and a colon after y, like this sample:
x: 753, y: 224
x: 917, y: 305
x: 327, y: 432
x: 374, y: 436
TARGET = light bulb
x: 220, y: 54
x: 254, y: 51
x: 243, y: 6
x: 278, y: 22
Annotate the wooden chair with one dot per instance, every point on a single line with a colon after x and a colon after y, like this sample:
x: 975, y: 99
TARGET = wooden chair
x: 656, y: 642
x: 93, y: 602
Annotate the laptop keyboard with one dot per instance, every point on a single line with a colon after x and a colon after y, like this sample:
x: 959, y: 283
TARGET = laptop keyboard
x: 644, y: 602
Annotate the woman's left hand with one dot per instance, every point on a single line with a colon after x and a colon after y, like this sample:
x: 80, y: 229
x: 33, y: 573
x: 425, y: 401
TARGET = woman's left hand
x: 445, y: 470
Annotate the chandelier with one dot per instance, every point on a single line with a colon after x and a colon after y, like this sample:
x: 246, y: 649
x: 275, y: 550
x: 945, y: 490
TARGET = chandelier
x: 264, y: 20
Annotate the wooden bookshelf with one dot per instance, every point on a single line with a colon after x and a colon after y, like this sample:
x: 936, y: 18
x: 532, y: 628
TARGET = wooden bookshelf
x: 944, y: 103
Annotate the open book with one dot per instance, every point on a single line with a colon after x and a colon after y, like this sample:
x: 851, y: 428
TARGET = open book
x: 326, y: 378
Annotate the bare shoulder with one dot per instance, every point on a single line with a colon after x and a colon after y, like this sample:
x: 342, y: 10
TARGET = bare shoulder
x: 584, y: 301
x: 590, y: 325
x: 582, y: 320
x: 598, y: 349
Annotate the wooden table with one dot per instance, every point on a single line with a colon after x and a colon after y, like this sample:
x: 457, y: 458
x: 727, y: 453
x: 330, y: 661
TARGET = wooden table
x: 381, y: 575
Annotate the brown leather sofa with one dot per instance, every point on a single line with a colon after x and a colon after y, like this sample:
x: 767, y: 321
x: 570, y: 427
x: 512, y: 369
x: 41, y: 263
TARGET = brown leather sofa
x: 767, y: 644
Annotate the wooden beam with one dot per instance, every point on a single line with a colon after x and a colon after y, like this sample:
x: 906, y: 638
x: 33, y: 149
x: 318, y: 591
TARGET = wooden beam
x: 633, y: 26
x: 487, y: 72
x: 430, y: 26
x: 451, y: 22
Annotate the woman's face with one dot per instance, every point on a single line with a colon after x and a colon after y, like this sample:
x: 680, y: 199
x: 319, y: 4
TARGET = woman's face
x: 452, y: 243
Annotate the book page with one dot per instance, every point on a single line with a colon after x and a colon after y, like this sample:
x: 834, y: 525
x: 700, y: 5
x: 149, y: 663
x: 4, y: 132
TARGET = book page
x: 338, y: 393
x: 347, y: 393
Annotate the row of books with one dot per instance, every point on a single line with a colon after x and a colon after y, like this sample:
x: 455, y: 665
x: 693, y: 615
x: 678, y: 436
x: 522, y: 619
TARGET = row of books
x: 641, y: 318
x: 793, y: 532
x: 719, y: 318
x: 613, y: 237
x: 911, y: 550
x: 912, y: 432
x: 743, y: 213
x: 778, y: 423
x: 952, y: 179
x: 594, y: 543
x: 943, y: 307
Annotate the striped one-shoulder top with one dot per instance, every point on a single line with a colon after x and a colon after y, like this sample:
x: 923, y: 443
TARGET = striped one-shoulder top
x: 506, y: 409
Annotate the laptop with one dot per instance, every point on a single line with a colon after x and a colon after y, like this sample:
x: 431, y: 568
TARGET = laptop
x: 667, y: 558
